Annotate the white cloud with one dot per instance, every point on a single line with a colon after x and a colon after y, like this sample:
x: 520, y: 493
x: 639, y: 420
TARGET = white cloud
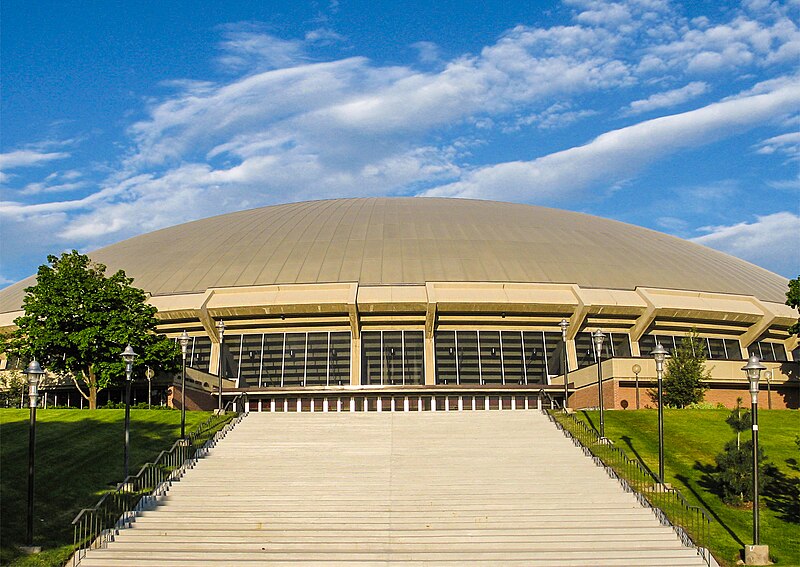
x: 772, y: 239
x: 428, y: 52
x: 785, y: 143
x: 28, y: 158
x: 668, y: 98
x: 616, y: 155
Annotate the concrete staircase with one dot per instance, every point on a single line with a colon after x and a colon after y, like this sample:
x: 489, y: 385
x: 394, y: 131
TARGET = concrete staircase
x: 424, y: 488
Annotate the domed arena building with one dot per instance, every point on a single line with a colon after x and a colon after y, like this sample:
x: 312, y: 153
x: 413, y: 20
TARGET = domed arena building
x: 410, y: 304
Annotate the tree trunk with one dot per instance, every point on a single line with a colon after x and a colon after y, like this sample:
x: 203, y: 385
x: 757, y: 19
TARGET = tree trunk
x: 92, y: 383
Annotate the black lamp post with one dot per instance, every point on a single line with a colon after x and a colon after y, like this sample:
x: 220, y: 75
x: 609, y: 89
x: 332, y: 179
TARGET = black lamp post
x: 660, y: 355
x: 753, y: 370
x: 598, y: 337
x: 564, y: 324
x: 127, y: 355
x: 221, y: 330
x: 184, y: 341
x: 34, y: 373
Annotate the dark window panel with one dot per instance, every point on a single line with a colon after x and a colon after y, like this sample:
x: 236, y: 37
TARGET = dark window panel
x: 513, y: 360
x: 230, y: 357
x: 371, y: 359
x: 393, y: 358
x: 294, y: 359
x: 535, y: 367
x: 621, y: 344
x: 584, y: 348
x: 491, y: 361
x: 340, y: 359
x: 414, y: 357
x: 201, y: 354
x: 646, y: 345
x: 716, y: 349
x: 780, y: 352
x: 733, y: 349
x: 467, y: 357
x: 250, y: 362
x: 766, y: 351
x: 445, y: 347
x: 317, y: 360
x: 272, y: 363
x: 552, y: 345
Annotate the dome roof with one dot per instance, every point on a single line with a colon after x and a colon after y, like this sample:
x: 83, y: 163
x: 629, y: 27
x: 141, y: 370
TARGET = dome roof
x: 380, y: 241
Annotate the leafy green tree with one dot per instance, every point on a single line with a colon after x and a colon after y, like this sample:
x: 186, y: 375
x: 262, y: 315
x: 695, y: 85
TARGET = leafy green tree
x: 685, y: 372
x: 793, y: 300
x: 739, y: 420
x: 77, y: 321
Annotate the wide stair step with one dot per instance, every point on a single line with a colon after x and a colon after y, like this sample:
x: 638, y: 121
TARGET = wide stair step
x: 443, y: 488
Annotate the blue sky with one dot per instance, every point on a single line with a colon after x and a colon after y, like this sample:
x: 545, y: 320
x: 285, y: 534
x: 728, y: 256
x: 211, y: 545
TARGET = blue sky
x: 119, y: 118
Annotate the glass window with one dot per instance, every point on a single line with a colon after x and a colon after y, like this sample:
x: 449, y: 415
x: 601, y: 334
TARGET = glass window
x: 780, y: 352
x: 535, y: 365
x: 445, y: 347
x: 294, y: 359
x: 272, y: 361
x: 733, y: 350
x: 371, y: 363
x: 620, y: 344
x: 512, y: 357
x: 754, y: 349
x: 552, y: 343
x: 317, y: 360
x: 766, y: 351
x: 250, y: 361
x: 392, y: 358
x: 231, y: 346
x: 584, y: 348
x: 467, y: 357
x: 646, y: 345
x: 716, y: 349
x: 340, y: 359
x: 491, y: 359
x: 201, y: 354
x: 414, y: 345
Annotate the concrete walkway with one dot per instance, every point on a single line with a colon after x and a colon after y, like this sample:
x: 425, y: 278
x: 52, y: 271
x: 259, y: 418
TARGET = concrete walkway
x: 416, y: 488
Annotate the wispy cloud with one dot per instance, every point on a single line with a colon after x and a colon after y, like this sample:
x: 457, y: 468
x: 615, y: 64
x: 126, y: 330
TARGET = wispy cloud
x: 28, y: 158
x: 668, y: 99
x: 615, y: 155
x: 771, y: 239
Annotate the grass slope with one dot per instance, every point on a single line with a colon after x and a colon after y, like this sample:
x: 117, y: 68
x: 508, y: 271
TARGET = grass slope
x: 78, y: 457
x: 692, y: 438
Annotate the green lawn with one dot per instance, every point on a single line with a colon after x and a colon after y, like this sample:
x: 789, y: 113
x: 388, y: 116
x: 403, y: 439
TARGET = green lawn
x: 78, y: 457
x: 691, y: 440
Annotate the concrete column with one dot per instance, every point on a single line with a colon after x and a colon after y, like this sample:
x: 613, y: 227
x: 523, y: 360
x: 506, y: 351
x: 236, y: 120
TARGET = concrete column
x: 430, y: 368
x: 572, y: 355
x: 355, y: 361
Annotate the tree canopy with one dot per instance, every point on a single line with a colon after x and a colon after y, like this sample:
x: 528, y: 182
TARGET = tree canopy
x: 793, y: 300
x: 77, y: 321
x: 685, y: 372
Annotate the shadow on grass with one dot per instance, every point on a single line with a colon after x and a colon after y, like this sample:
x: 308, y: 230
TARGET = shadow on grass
x: 589, y: 420
x: 707, y: 482
x: 629, y: 442
x: 782, y: 495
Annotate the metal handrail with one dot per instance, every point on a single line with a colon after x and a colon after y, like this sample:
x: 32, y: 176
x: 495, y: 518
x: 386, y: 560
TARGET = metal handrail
x: 690, y: 523
x: 546, y: 394
x: 95, y: 527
